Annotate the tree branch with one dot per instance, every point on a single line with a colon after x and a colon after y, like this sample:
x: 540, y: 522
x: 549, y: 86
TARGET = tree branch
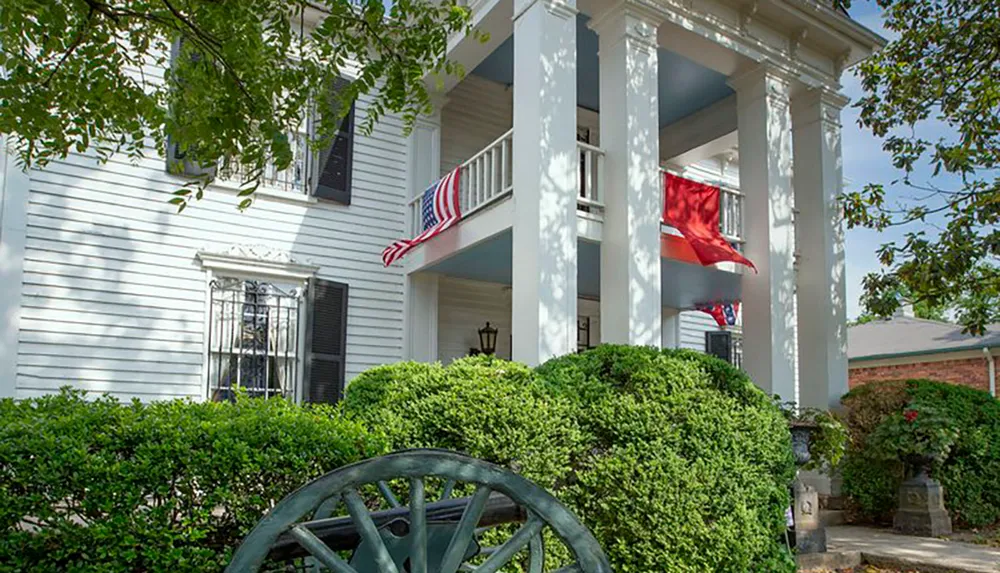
x: 72, y: 48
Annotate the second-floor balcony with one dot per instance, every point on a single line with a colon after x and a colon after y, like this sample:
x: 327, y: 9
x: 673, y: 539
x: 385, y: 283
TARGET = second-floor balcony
x: 486, y: 180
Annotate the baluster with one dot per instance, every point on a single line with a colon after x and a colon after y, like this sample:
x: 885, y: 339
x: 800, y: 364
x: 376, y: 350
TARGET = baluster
x: 493, y: 171
x: 474, y: 187
x: 503, y: 165
x: 599, y: 186
x: 482, y: 179
x: 466, y: 189
x: 588, y: 174
x: 724, y: 220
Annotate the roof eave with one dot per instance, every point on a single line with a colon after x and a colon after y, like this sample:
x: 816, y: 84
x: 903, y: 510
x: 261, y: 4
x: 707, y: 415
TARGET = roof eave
x: 909, y: 353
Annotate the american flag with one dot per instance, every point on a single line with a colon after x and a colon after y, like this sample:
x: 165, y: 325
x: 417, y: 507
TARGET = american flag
x: 439, y: 211
x: 723, y: 313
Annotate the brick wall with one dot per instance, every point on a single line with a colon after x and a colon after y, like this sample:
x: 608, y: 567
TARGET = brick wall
x: 972, y: 372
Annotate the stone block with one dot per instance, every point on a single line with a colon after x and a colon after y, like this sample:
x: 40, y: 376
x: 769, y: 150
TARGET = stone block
x: 921, y: 508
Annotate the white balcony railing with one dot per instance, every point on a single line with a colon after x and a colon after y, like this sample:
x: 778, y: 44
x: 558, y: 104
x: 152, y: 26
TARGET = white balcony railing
x: 487, y: 175
x: 483, y: 179
x: 731, y: 215
x: 591, y: 195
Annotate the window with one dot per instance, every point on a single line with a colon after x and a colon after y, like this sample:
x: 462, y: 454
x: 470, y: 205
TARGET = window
x: 273, y: 327
x: 725, y: 344
x: 300, y: 174
x: 254, y: 338
x: 324, y: 174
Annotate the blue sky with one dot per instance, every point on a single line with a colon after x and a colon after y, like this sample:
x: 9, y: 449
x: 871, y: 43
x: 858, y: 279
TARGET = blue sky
x: 866, y: 162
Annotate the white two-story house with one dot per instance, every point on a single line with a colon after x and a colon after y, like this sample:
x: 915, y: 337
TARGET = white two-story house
x: 561, y: 129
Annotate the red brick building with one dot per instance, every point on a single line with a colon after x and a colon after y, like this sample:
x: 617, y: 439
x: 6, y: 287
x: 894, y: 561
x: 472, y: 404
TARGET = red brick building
x: 905, y: 347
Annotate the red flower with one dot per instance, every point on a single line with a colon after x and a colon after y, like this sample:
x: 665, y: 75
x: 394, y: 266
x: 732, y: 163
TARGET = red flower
x: 910, y: 415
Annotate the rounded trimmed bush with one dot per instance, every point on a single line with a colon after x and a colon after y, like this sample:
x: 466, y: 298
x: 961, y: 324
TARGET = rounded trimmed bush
x: 674, y: 459
x: 969, y: 473
x: 168, y: 486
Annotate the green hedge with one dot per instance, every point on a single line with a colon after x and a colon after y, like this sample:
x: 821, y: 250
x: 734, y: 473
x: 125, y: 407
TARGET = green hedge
x: 170, y: 486
x: 673, y: 459
x: 970, y: 473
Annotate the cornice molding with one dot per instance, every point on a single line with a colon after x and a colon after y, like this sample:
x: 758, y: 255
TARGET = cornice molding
x: 561, y: 8
x: 255, y: 260
x: 628, y: 20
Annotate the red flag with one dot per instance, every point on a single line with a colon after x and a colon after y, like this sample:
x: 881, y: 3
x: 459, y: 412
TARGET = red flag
x: 693, y: 209
x: 724, y: 313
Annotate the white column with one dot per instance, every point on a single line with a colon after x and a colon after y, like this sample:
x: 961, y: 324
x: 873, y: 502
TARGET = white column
x: 822, y: 287
x: 545, y: 180
x: 420, y: 290
x: 424, y: 155
x: 630, y: 240
x: 765, y: 148
x: 420, y: 325
x: 671, y: 328
x: 14, y: 187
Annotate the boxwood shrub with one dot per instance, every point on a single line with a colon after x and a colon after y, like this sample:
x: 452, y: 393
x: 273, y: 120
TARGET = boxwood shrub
x: 673, y: 459
x: 969, y: 474
x: 169, y: 486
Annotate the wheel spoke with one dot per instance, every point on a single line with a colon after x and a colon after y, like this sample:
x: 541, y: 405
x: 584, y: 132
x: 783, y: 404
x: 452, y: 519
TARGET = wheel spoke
x: 455, y: 554
x: 448, y: 487
x: 320, y: 551
x: 418, y: 527
x: 536, y: 559
x: 386, y: 492
x: 508, y: 550
x: 369, y: 533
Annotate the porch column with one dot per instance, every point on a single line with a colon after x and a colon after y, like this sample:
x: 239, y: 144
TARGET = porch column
x: 424, y: 165
x: 821, y: 289
x: 545, y: 180
x: 420, y: 327
x: 630, y: 243
x: 765, y: 148
x: 14, y: 189
x: 671, y: 328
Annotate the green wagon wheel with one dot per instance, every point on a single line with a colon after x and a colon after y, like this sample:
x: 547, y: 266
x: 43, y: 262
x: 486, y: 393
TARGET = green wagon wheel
x: 415, y: 538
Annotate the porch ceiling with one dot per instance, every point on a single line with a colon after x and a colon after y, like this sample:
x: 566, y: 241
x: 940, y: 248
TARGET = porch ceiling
x: 684, y: 86
x: 684, y: 285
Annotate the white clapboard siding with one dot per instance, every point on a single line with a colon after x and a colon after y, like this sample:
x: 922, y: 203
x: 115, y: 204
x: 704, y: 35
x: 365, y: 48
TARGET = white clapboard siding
x: 464, y: 306
x: 477, y: 113
x: 694, y: 325
x: 114, y: 296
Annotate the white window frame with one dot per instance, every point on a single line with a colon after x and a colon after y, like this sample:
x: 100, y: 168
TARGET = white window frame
x: 259, y: 264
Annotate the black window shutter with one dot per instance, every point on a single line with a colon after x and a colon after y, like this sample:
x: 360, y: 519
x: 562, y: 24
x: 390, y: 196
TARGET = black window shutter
x: 327, y: 342
x: 719, y: 343
x: 177, y: 161
x: 336, y: 161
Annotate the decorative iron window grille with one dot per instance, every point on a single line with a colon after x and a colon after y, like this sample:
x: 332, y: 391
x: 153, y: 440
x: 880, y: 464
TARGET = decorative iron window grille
x: 254, y: 338
x: 298, y: 177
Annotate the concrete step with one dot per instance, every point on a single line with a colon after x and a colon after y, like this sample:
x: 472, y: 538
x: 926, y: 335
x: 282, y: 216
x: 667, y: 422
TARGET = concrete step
x: 827, y: 562
x: 832, y: 517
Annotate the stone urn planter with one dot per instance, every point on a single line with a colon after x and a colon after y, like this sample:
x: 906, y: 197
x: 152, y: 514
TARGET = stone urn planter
x: 801, y: 436
x: 810, y: 535
x: 921, y: 502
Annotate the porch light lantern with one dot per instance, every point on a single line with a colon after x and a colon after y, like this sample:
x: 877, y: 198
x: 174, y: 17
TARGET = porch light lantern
x: 488, y: 339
